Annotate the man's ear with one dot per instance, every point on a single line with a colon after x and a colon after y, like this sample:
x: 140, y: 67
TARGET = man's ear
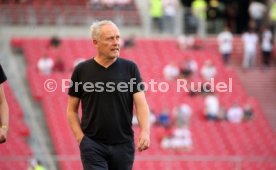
x: 95, y: 42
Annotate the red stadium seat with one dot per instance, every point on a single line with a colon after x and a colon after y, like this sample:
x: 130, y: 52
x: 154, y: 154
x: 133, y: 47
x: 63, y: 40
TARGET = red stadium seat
x: 255, y: 138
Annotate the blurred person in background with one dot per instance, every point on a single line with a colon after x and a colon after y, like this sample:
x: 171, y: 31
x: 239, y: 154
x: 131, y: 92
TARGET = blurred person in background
x: 248, y: 112
x: 189, y: 20
x: 199, y: 10
x: 39, y: 166
x: 104, y: 133
x: 189, y: 68
x: 235, y: 113
x: 45, y: 65
x: 185, y: 42
x: 214, y: 15
x: 182, y: 115
x: 169, y: 15
x: 32, y: 164
x: 55, y: 42
x: 208, y: 70
x: 225, y: 42
x: 36, y: 165
x: 164, y: 119
x: 212, y: 106
x: 156, y: 13
x: 257, y: 12
x: 4, y: 109
x: 266, y: 45
x: 180, y: 139
x: 250, y: 41
x: 272, y: 17
x: 171, y: 71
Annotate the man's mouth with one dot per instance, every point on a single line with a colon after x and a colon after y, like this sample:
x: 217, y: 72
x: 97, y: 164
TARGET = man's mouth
x: 115, y: 49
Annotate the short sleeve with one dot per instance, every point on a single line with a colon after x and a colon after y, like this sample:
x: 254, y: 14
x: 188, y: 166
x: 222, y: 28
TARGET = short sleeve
x: 139, y: 84
x: 75, y: 88
x: 2, y: 75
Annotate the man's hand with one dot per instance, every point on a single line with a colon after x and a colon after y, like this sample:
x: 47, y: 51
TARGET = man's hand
x: 3, y: 135
x: 143, y: 141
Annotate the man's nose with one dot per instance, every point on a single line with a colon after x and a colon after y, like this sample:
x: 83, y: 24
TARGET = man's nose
x: 116, y: 42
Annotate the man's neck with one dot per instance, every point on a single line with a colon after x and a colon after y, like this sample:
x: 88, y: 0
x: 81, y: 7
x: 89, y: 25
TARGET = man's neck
x: 105, y: 62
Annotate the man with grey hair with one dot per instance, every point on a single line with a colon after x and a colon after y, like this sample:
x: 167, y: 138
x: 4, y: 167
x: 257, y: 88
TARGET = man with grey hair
x: 105, y: 134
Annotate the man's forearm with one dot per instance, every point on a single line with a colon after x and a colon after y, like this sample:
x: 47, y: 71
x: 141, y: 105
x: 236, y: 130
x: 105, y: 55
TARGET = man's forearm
x: 143, y: 118
x: 4, y: 114
x: 74, y: 123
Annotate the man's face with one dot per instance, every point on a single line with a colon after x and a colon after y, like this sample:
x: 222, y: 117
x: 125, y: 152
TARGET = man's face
x: 108, y: 43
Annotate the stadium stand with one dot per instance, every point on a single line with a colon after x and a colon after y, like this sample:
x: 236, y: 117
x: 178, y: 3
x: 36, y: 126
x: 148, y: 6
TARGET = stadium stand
x: 72, y: 12
x: 15, y: 153
x: 216, y: 145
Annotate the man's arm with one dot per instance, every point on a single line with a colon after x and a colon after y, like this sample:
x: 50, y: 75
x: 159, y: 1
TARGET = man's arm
x: 4, y: 116
x: 73, y: 118
x: 143, y: 115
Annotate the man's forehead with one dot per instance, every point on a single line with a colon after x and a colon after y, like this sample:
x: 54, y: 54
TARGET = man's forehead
x: 110, y: 29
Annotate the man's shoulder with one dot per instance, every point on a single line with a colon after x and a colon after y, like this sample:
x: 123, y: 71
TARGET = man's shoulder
x: 126, y: 61
x: 83, y: 64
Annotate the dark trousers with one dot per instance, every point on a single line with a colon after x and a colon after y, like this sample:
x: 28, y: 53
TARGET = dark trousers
x: 226, y: 57
x: 99, y: 156
x: 266, y: 58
